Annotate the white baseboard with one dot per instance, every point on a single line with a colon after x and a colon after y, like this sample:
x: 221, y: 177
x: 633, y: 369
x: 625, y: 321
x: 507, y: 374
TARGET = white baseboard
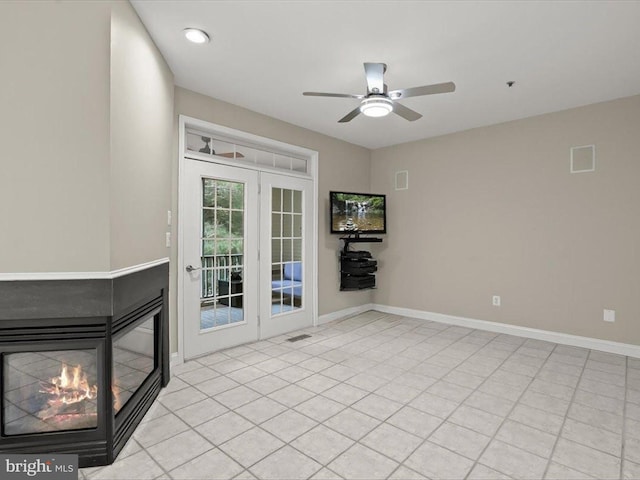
x: 175, y: 360
x: 347, y: 312
x: 618, y: 348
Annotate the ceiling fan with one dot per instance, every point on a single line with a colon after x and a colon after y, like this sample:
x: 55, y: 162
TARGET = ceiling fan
x: 379, y: 102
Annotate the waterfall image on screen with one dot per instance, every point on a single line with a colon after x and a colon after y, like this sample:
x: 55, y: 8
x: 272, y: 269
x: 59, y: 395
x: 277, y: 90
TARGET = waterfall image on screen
x: 357, y: 212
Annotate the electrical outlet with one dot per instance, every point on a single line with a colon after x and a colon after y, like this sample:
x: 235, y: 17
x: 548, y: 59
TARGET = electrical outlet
x: 168, y: 239
x: 609, y: 315
x: 496, y: 300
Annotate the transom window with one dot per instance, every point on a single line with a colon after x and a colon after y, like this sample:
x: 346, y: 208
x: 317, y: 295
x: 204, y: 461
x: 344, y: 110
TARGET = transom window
x: 206, y: 144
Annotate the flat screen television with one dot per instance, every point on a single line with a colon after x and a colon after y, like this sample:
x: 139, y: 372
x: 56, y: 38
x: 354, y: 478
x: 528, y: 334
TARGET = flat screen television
x: 358, y: 212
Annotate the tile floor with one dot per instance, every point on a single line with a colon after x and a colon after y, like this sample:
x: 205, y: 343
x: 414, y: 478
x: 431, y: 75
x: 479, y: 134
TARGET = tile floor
x: 382, y: 396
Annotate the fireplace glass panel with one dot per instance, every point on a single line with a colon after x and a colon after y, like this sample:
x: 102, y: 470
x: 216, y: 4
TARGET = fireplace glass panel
x: 50, y: 391
x: 133, y: 361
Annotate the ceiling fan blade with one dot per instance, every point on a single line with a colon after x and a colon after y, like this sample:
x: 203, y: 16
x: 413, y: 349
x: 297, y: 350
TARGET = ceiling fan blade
x: 425, y: 90
x: 338, y: 95
x: 350, y: 116
x: 375, y: 77
x: 405, y: 112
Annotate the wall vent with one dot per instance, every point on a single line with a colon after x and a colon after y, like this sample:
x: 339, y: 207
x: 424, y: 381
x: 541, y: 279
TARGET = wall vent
x: 402, y: 180
x: 583, y: 159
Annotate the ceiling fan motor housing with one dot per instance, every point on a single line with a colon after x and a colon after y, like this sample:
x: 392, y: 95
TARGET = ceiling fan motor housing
x: 376, y: 106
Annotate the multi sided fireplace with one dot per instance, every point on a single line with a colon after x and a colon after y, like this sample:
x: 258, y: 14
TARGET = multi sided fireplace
x: 81, y: 385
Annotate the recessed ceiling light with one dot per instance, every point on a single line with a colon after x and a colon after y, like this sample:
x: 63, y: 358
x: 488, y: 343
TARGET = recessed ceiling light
x: 376, y: 106
x: 195, y: 35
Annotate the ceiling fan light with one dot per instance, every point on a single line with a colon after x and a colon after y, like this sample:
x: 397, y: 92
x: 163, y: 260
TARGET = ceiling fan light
x: 376, y: 107
x: 196, y: 35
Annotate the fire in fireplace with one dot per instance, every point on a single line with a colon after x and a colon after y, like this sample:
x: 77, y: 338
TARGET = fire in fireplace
x: 43, y: 393
x: 69, y: 395
x: 66, y: 390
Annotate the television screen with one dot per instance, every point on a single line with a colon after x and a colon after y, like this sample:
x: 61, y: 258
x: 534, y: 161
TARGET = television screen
x: 358, y: 212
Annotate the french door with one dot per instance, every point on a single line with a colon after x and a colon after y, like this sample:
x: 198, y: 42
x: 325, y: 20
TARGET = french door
x: 285, y: 262
x: 247, y: 255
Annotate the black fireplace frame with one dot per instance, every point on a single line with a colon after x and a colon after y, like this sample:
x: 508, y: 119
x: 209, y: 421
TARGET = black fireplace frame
x: 52, y: 315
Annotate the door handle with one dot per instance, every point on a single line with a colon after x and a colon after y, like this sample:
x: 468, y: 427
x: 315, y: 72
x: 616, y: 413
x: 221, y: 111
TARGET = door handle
x: 191, y: 268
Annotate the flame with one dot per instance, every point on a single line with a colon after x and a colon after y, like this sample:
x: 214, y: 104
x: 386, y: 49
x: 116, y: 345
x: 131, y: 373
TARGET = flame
x: 117, y: 404
x: 73, y: 387
x: 69, y: 388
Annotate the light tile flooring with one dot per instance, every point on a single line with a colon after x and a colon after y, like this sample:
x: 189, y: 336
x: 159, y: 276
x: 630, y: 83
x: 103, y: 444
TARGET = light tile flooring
x: 382, y: 396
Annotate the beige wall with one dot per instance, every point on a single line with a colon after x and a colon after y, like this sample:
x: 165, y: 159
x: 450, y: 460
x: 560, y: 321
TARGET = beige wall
x: 342, y: 166
x: 141, y: 142
x: 86, y: 138
x: 495, y: 211
x: 54, y: 136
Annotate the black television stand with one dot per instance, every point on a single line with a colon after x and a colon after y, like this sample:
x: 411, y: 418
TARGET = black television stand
x: 358, y: 239
x: 357, y: 268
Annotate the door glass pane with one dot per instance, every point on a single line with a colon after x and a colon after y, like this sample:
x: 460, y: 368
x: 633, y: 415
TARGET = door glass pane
x: 297, y: 249
x: 276, y: 200
x: 297, y: 226
x: 223, y: 194
x: 208, y: 222
x: 286, y: 251
x: 276, y: 224
x: 297, y: 201
x: 237, y: 224
x: 237, y: 249
x: 287, y: 200
x: 287, y: 220
x: 237, y: 196
x: 208, y: 247
x: 276, y: 251
x: 208, y: 193
x: 222, y: 249
x: 222, y: 257
x: 222, y: 223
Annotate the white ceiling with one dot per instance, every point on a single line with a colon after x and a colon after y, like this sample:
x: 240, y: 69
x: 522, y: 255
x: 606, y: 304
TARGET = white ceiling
x: 264, y: 54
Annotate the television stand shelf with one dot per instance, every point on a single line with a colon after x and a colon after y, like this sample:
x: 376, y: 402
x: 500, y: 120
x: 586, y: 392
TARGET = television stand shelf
x: 358, y: 239
x: 357, y: 268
